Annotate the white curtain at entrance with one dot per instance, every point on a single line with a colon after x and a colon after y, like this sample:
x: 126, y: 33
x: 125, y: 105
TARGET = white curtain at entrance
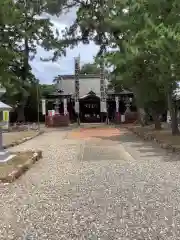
x: 43, y: 106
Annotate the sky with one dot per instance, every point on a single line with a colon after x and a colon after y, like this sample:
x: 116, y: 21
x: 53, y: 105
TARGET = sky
x: 46, y: 71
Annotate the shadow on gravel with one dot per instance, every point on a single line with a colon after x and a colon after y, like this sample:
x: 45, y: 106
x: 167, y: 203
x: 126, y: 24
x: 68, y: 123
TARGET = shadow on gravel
x: 145, y: 149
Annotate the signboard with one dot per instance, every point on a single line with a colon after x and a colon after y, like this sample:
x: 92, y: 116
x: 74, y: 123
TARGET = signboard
x: 5, y: 124
x: 43, y: 107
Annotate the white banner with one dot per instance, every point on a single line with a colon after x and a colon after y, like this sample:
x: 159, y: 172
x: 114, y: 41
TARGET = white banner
x: 77, y: 107
x: 103, y: 107
x: 43, y: 107
x: 65, y: 106
x: 117, y: 104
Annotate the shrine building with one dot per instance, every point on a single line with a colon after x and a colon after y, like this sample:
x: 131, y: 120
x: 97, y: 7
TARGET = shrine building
x: 86, y: 98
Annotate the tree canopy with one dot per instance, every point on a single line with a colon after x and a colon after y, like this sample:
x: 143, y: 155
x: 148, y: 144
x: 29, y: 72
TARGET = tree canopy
x: 141, y: 41
x: 22, y: 29
x: 90, y: 68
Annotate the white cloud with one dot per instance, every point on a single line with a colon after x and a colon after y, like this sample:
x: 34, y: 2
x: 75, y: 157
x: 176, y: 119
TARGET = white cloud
x: 46, y: 71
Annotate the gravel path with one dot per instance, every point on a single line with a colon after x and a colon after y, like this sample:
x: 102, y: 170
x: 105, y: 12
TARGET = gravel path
x: 109, y: 187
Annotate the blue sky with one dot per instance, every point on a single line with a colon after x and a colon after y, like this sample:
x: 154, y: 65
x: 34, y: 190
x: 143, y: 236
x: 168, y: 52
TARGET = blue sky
x: 46, y: 71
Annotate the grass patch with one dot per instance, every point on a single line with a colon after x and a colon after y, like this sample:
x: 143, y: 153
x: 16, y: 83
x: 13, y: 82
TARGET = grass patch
x: 12, y: 137
x: 163, y: 136
x: 17, y: 165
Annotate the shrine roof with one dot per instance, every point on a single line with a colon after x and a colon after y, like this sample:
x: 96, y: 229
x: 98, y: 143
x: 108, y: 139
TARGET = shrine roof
x: 109, y: 92
x: 4, y: 107
x: 90, y: 94
x: 54, y: 94
x: 124, y: 92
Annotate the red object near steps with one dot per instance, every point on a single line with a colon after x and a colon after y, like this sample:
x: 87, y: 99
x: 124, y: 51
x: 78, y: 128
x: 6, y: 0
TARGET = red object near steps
x: 57, y: 120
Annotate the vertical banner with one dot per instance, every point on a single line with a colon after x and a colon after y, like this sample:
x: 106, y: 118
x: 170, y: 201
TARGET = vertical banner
x: 65, y: 106
x: 103, y: 107
x: 77, y: 107
x: 77, y: 69
x: 102, y: 89
x: 43, y: 107
x: 117, y: 104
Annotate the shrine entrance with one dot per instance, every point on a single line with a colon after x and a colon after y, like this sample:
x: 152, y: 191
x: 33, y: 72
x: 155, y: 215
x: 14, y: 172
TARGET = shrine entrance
x: 90, y: 108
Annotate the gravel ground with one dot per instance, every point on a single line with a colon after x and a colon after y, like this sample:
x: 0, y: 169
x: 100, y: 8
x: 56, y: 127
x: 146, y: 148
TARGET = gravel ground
x: 114, y: 187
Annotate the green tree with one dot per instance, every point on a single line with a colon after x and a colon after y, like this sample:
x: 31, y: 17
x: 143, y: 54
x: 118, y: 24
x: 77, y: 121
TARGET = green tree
x: 90, y: 68
x: 46, y: 90
x: 9, y: 18
x: 21, y: 31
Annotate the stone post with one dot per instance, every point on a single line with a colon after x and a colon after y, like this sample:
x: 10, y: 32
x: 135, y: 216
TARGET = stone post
x: 128, y: 110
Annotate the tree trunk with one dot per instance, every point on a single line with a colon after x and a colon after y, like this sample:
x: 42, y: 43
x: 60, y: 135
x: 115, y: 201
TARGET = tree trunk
x: 20, y: 114
x: 142, y: 117
x: 173, y: 113
x: 140, y: 110
x: 174, y: 121
x: 157, y: 121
